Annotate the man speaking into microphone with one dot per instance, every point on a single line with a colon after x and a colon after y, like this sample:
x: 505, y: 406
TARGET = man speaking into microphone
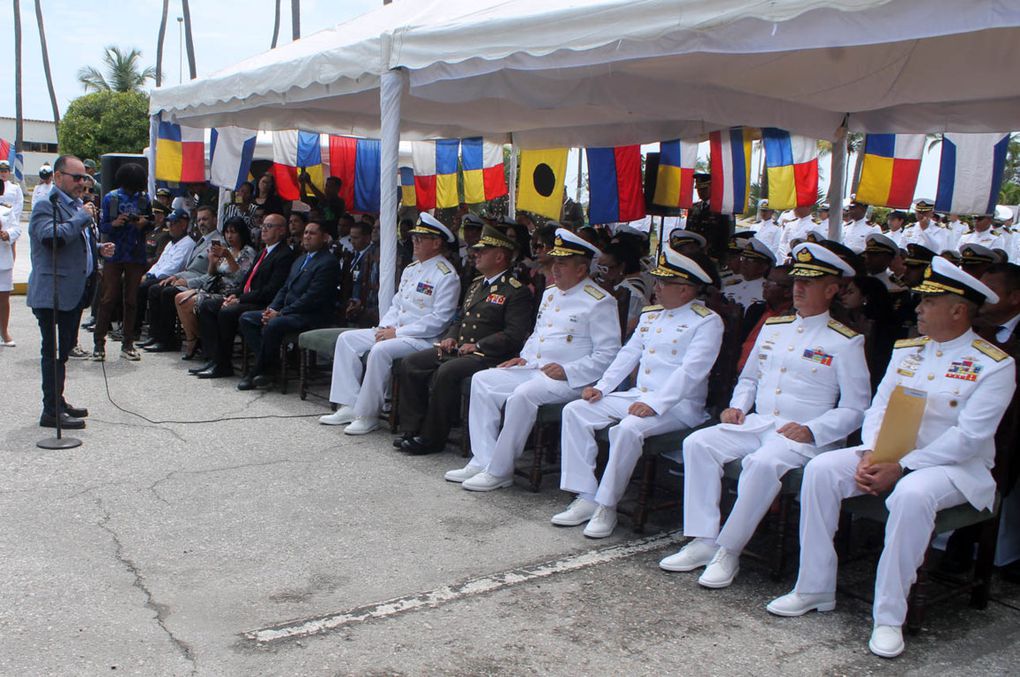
x: 64, y: 255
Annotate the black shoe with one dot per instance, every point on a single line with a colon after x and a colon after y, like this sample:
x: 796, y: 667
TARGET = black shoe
x: 66, y: 422
x: 208, y: 365
x: 157, y: 347
x: 418, y: 446
x: 399, y: 442
x: 215, y: 372
x: 147, y: 342
x: 75, y: 412
x: 262, y: 381
x: 246, y: 383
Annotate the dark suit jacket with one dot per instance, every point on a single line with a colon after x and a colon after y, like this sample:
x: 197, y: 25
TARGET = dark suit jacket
x: 497, y: 318
x: 312, y: 290
x: 270, y: 277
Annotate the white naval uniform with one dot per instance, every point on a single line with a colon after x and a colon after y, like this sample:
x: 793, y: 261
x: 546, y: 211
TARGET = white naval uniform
x: 746, y: 292
x: 855, y: 234
x: 41, y: 192
x: 794, y: 230
x: 896, y: 236
x: 14, y: 198
x: 808, y: 370
x: 578, y: 329
x: 422, y: 309
x: 768, y: 233
x: 954, y: 231
x: 885, y: 277
x: 969, y: 384
x: 674, y: 351
x: 932, y: 237
x: 990, y: 238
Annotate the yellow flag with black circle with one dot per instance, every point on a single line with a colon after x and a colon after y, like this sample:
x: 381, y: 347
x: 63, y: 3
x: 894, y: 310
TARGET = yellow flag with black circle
x: 543, y: 173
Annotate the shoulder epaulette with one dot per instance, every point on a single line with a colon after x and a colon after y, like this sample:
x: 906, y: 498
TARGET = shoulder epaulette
x: 480, y: 277
x: 550, y: 286
x: 515, y: 283
x: 594, y: 292
x: 990, y: 350
x: 443, y: 268
x: 700, y: 309
x: 781, y: 319
x: 413, y: 264
x: 841, y: 328
x: 911, y: 342
x: 648, y: 309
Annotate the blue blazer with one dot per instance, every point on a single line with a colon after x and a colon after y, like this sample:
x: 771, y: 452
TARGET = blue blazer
x: 311, y: 292
x: 72, y: 247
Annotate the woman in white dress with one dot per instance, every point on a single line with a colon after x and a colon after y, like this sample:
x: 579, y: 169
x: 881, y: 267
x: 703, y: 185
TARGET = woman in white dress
x: 10, y: 231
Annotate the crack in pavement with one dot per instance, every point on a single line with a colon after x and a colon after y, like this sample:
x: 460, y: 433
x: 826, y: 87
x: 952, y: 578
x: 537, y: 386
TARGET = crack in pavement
x: 139, y: 582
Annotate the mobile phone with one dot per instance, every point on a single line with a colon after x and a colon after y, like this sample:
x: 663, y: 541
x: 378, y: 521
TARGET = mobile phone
x: 114, y: 207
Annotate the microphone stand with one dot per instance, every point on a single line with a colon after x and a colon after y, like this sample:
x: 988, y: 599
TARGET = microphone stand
x: 58, y: 442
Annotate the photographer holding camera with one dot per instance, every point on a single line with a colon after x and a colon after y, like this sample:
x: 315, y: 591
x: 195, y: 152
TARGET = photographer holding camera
x: 126, y: 216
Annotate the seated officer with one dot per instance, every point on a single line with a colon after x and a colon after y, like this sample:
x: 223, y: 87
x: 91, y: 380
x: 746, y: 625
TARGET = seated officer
x: 421, y: 310
x: 494, y: 321
x: 674, y: 347
x: 576, y: 336
x: 807, y: 381
x: 969, y: 383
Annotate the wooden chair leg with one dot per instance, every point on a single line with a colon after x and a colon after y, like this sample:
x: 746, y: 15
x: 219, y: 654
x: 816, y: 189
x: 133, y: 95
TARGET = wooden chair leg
x: 917, y: 602
x: 783, y: 519
x: 536, y: 467
x: 645, y: 492
x: 303, y: 374
x: 394, y: 402
x: 283, y: 367
x: 985, y: 563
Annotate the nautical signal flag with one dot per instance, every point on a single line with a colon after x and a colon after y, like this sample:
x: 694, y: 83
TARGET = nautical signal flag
x: 435, y: 173
x: 970, y: 172
x: 730, y: 162
x: 614, y: 184
x: 231, y: 150
x: 482, y: 164
x: 791, y: 163
x: 674, y: 184
x: 357, y: 163
x: 180, y: 153
x: 542, y: 174
x: 407, y: 197
x: 889, y: 169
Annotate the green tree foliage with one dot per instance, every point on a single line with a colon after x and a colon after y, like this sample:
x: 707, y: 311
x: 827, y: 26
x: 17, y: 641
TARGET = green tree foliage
x: 123, y: 73
x: 105, y: 122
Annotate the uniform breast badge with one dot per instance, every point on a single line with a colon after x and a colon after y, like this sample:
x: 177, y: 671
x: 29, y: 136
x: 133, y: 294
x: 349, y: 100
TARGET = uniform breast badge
x: 818, y: 356
x: 965, y: 369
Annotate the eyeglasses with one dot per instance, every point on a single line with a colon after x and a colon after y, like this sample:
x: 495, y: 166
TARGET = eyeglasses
x: 76, y: 177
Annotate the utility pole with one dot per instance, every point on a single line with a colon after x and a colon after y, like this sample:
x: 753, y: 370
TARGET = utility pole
x: 180, y: 49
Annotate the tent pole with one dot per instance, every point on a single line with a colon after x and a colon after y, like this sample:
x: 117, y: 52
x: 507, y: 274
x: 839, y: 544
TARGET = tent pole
x: 836, y: 175
x: 577, y: 195
x: 153, y: 133
x: 390, y: 92
x: 511, y: 211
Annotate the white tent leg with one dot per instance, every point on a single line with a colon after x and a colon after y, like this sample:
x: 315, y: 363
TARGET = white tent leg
x: 512, y: 206
x: 390, y: 92
x: 151, y: 155
x: 836, y: 174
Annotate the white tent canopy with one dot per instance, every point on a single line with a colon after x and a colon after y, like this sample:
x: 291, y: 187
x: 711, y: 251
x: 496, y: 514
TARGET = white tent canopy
x: 610, y: 72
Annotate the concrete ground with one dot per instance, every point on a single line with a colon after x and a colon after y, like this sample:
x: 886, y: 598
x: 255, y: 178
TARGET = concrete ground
x: 179, y: 548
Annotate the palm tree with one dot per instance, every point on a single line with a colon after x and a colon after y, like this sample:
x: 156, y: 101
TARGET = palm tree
x: 19, y: 123
x: 123, y: 74
x: 46, y: 63
x: 188, y: 41
x: 160, y: 39
x: 295, y: 19
x: 276, y: 26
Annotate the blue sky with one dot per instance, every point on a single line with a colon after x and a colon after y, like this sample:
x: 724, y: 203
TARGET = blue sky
x: 225, y: 31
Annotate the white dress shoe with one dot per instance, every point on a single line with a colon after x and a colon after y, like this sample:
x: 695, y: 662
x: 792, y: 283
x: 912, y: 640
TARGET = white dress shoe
x: 697, y: 553
x: 484, y: 481
x: 465, y: 473
x: 721, y: 571
x: 578, y: 512
x: 362, y: 426
x: 797, y: 604
x: 341, y: 416
x: 601, y: 523
x: 886, y: 641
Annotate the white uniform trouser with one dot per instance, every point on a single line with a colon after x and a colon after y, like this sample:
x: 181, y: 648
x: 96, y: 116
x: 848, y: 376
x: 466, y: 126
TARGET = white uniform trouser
x: 913, y: 503
x: 523, y: 391
x: 766, y: 458
x: 578, y: 448
x: 367, y: 392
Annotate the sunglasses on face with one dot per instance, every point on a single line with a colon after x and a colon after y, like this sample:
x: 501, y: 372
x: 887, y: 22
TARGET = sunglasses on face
x: 76, y: 177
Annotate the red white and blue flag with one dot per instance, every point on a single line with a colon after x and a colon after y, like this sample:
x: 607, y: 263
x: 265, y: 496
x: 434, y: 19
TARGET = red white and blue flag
x: 356, y: 162
x: 970, y: 172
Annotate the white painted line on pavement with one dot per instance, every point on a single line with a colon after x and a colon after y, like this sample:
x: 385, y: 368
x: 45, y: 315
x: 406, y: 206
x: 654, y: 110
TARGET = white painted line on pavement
x: 451, y: 593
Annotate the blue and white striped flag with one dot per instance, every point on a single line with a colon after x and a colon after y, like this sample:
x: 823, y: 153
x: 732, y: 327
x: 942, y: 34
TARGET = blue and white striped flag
x: 231, y: 152
x: 970, y: 172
